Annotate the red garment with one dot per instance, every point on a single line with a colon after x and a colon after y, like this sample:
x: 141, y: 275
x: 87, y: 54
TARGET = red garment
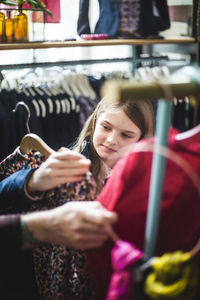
x: 126, y: 192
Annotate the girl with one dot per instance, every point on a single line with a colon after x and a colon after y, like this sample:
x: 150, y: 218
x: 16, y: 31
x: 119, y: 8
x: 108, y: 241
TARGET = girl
x: 104, y: 139
x: 110, y: 129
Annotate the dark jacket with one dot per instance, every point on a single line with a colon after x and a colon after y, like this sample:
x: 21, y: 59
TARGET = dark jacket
x: 12, y: 196
x: 16, y: 268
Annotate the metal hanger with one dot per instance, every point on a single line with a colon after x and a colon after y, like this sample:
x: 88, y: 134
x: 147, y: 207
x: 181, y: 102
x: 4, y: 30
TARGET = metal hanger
x: 32, y: 141
x: 21, y: 103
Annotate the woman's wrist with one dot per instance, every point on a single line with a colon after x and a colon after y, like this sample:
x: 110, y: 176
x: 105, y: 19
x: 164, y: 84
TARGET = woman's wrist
x: 28, y: 232
x: 37, y: 228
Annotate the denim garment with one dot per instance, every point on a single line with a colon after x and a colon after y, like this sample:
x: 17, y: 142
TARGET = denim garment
x: 108, y: 19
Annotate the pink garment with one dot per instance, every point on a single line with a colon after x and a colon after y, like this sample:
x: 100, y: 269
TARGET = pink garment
x: 54, y: 7
x: 127, y: 191
x: 124, y: 257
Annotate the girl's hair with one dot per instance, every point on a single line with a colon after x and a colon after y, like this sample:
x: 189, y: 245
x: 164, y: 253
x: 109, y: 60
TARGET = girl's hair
x: 139, y: 112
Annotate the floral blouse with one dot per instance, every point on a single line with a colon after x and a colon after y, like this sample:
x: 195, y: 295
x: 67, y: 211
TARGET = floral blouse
x: 61, y: 273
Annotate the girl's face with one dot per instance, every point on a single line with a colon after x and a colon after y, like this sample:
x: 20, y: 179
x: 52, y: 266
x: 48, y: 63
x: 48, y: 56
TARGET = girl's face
x: 114, y: 131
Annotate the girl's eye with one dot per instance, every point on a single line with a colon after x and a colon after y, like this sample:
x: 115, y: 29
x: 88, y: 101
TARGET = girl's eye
x: 106, y: 127
x: 126, y: 136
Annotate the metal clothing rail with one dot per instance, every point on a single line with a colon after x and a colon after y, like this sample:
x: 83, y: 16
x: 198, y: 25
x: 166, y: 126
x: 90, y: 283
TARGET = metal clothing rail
x: 63, y: 63
x: 150, y: 59
x: 184, y: 82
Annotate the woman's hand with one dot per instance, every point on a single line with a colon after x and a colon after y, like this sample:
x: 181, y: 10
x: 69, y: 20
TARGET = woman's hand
x: 75, y: 224
x: 61, y: 167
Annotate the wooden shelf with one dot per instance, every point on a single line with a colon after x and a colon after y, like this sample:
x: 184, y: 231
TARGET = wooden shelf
x: 109, y: 42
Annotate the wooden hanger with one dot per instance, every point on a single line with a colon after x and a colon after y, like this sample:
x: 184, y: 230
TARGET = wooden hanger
x: 32, y: 142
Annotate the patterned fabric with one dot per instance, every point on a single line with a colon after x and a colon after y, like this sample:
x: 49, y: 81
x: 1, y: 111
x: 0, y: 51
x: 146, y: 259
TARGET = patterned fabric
x: 129, y: 18
x: 141, y: 18
x: 61, y: 273
x: 17, y: 161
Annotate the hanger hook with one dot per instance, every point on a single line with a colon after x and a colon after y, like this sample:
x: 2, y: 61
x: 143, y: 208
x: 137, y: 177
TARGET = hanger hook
x: 28, y: 113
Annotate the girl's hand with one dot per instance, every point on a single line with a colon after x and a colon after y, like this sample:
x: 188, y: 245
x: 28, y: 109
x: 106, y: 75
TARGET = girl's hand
x: 61, y: 167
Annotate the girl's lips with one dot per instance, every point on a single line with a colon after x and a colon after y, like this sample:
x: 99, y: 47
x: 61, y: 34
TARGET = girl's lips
x: 109, y: 149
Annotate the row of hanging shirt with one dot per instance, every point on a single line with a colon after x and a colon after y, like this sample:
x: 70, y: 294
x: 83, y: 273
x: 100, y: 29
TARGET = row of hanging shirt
x: 186, y: 111
x: 53, y: 105
x: 59, y: 101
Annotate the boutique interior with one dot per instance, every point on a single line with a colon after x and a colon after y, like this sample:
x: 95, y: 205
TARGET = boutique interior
x: 58, y: 60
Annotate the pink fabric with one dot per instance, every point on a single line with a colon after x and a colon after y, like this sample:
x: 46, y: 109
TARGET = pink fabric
x: 54, y: 7
x: 127, y: 191
x: 100, y: 36
x: 124, y: 256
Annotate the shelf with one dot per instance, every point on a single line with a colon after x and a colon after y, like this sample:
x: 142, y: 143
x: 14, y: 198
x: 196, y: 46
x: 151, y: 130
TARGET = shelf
x: 179, y: 2
x: 109, y: 42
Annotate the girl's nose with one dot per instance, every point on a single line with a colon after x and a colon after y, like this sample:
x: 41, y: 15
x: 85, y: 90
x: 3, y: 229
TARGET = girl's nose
x: 112, y: 138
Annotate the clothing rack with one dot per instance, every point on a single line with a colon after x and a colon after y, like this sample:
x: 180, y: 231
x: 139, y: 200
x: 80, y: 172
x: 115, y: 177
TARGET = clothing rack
x: 148, y: 59
x: 49, y: 99
x: 184, y: 82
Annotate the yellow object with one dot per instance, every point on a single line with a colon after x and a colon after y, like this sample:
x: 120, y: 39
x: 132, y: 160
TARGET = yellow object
x: 2, y: 26
x: 173, y: 277
x: 9, y: 27
x: 20, y: 26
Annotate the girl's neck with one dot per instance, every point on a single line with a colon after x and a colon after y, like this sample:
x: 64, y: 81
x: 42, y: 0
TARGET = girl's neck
x: 105, y: 170
x: 104, y: 173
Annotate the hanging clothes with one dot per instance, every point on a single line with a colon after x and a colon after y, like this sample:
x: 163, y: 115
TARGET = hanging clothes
x: 173, y: 276
x: 126, y: 192
x: 55, y: 115
x: 108, y: 20
x: 61, y: 273
x: 124, y: 258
